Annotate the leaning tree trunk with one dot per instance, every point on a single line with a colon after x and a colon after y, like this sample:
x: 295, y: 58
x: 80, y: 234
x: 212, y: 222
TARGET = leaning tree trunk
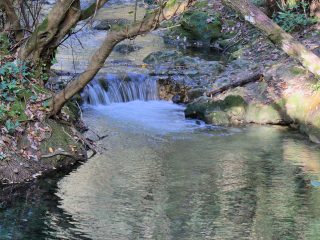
x: 48, y: 35
x: 315, y: 9
x: 276, y: 34
x: 13, y: 23
x: 149, y: 23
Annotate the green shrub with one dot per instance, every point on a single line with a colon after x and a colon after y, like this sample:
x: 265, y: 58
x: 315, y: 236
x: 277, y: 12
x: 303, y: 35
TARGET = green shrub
x: 4, y: 45
x: 293, y: 17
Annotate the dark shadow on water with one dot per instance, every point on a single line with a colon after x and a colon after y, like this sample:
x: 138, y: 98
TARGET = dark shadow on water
x: 31, y: 211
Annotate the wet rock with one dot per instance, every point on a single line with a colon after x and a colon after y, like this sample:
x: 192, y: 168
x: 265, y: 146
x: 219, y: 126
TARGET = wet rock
x: 197, y: 27
x: 176, y: 98
x: 173, y: 91
x: 161, y: 57
x: 108, y: 24
x: 174, y: 63
x: 230, y: 110
x: 201, y: 26
x: 126, y: 48
x: 195, y: 93
x: 263, y: 114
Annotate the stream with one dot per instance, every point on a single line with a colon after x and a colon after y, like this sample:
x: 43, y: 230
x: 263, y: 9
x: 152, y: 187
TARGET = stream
x: 161, y: 176
x: 164, y: 177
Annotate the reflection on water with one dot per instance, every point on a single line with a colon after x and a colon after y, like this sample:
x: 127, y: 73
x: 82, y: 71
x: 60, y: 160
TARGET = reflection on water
x: 245, y: 183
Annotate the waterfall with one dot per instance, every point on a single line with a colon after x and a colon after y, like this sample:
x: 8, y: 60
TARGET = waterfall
x: 113, y: 88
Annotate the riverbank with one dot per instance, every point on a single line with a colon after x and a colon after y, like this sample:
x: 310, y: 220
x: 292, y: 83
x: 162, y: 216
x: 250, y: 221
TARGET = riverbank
x: 287, y: 94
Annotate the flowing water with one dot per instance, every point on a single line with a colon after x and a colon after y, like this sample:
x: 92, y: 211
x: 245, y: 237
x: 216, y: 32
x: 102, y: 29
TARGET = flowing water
x: 164, y: 177
x: 161, y: 176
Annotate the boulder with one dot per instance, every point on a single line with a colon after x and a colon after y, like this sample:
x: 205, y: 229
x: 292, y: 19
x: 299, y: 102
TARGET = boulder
x: 201, y: 26
x: 126, y: 48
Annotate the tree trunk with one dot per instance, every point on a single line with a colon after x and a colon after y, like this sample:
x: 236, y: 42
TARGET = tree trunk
x: 277, y: 35
x: 13, y: 22
x: 64, y: 16
x: 315, y: 9
x: 148, y: 24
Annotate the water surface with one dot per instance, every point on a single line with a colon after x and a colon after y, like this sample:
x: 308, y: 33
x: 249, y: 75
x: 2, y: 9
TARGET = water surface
x: 160, y: 181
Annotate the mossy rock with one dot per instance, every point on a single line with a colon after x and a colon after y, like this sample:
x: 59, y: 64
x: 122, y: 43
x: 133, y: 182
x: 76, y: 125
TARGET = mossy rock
x: 298, y: 70
x: 237, y: 54
x: 201, y: 4
x: 201, y: 26
x: 198, y: 108
x: 161, y: 57
x: 195, y: 93
x: 217, y: 118
x: 61, y: 138
x: 113, y: 24
x: 233, y: 105
x: 263, y: 114
x: 72, y: 109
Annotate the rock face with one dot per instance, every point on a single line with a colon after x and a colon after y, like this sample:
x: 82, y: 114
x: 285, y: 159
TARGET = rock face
x: 126, y: 48
x: 182, y: 77
x: 195, y: 27
x: 107, y: 24
x: 233, y: 110
x: 201, y: 26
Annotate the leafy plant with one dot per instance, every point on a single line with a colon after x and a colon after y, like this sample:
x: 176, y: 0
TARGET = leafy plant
x: 316, y: 87
x: 4, y: 44
x: 2, y: 156
x: 11, y: 126
x: 293, y: 17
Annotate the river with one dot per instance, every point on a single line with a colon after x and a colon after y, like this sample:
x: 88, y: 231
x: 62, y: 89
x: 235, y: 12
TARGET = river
x: 161, y: 176
x: 164, y: 177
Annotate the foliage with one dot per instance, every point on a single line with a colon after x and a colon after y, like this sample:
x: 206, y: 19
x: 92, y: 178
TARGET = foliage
x: 316, y: 87
x: 18, y: 88
x: 293, y: 17
x: 4, y: 45
x: 14, y: 84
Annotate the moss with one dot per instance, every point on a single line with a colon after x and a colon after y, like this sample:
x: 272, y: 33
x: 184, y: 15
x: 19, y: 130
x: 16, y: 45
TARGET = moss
x: 233, y: 105
x: 237, y: 54
x: 4, y: 45
x: 171, y: 3
x: 61, y: 137
x: 197, y: 25
x: 297, y: 70
x: 17, y: 111
x: 201, y: 4
x: 263, y: 114
x: 276, y: 37
x: 24, y: 94
x: 72, y: 110
x: 217, y: 118
x: 103, y: 83
x: 117, y: 27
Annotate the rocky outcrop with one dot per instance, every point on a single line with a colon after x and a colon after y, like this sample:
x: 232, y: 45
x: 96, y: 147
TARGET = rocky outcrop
x: 180, y: 76
x: 195, y: 27
x: 233, y: 110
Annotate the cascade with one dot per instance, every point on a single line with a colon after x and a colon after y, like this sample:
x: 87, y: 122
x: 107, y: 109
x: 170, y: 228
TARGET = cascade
x: 114, y: 88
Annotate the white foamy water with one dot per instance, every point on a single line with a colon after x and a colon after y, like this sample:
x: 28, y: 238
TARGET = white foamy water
x: 161, y: 117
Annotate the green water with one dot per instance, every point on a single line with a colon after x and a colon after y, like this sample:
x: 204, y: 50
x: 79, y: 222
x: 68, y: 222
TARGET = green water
x: 207, y: 183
